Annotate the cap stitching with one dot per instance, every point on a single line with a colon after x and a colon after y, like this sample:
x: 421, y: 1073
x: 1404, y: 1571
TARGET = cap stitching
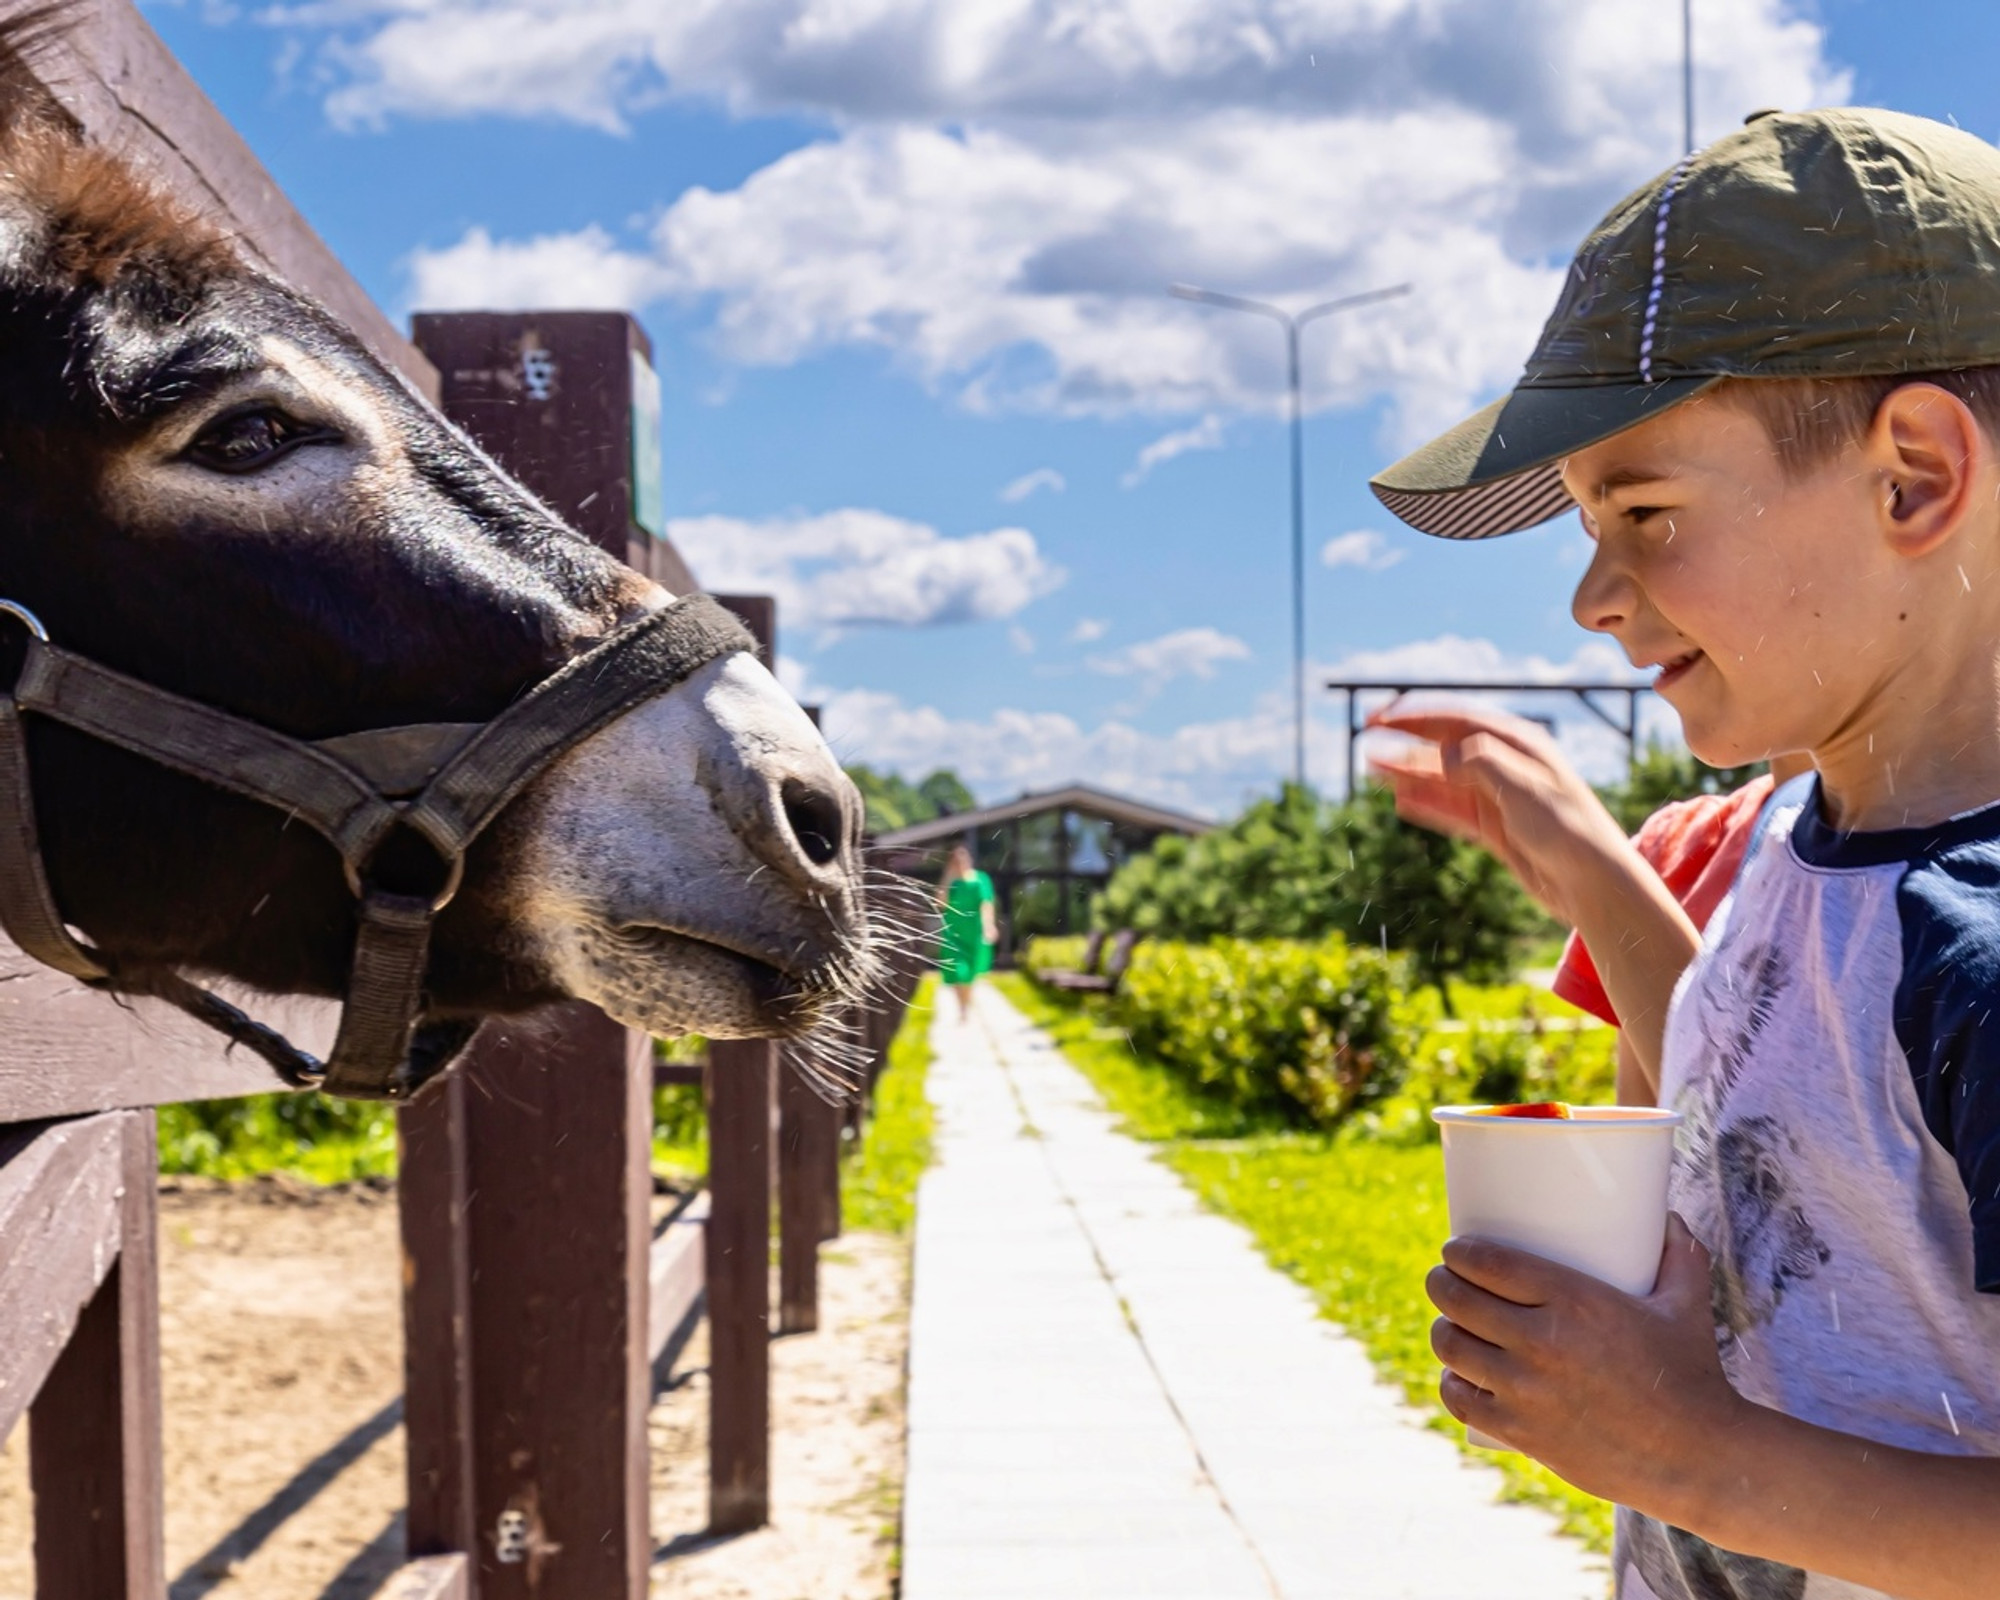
x: 1658, y: 285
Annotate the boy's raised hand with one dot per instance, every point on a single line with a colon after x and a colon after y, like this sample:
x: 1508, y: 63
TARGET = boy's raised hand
x: 1501, y: 782
x: 1619, y: 1394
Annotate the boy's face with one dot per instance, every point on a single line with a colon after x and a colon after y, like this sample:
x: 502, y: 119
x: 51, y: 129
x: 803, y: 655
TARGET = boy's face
x: 1770, y: 602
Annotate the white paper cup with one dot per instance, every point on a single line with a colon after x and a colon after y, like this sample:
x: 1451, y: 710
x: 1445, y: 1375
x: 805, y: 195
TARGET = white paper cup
x: 1588, y: 1190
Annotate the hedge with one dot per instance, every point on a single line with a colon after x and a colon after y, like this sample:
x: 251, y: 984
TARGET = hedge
x: 1315, y: 1034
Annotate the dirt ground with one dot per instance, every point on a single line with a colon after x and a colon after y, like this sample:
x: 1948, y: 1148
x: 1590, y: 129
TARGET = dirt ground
x: 282, y: 1352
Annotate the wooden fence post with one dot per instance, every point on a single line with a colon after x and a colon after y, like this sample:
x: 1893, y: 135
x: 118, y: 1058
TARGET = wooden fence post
x: 808, y: 1194
x: 556, y: 1119
x: 437, y: 1319
x: 740, y: 1074
x: 94, y: 1427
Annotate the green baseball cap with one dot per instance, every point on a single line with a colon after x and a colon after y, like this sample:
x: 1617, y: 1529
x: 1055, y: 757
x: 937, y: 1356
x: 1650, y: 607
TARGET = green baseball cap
x: 1817, y: 244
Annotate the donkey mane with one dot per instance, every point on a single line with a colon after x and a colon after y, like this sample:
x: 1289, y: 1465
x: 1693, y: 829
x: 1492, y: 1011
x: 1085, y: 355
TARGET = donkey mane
x: 91, y: 217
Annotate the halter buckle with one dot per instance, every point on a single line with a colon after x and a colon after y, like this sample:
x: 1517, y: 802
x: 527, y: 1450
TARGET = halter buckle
x: 454, y: 875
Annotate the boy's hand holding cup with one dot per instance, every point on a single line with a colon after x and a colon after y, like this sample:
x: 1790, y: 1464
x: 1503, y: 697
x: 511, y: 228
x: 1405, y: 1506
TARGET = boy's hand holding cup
x: 1585, y: 1187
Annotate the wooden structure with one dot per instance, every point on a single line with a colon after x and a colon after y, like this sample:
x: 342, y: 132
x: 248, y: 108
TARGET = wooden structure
x: 1048, y: 854
x: 537, y: 1296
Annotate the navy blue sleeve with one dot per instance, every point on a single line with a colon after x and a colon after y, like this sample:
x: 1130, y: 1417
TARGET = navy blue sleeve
x: 1948, y: 1022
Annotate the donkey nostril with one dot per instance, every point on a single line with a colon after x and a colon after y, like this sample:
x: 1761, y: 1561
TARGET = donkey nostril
x: 816, y: 820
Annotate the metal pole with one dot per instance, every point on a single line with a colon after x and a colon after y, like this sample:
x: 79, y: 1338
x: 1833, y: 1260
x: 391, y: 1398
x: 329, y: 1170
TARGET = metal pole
x: 1292, y: 324
x: 1687, y: 76
x: 1298, y: 562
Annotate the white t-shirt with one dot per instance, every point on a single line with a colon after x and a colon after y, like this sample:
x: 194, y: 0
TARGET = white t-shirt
x: 1835, y: 1053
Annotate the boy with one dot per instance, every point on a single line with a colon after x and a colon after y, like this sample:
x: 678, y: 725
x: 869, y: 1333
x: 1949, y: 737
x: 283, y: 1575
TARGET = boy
x: 1772, y: 385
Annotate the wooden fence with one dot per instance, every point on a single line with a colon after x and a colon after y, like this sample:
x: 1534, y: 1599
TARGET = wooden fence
x: 538, y: 1296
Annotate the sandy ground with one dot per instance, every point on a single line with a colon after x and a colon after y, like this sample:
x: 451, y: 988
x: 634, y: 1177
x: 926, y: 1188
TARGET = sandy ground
x: 281, y: 1338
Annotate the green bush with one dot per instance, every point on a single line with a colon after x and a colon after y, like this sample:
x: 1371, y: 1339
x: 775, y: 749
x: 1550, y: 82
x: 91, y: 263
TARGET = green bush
x: 1309, y: 1034
x: 1296, y: 867
x: 1053, y: 953
x: 1308, y: 1030
x: 314, y: 1136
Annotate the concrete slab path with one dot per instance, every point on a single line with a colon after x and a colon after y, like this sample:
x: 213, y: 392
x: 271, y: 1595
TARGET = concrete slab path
x: 1113, y: 1396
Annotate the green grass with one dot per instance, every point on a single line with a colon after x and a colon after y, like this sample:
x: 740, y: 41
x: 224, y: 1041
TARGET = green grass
x: 878, y: 1189
x: 1357, y: 1221
x: 310, y: 1136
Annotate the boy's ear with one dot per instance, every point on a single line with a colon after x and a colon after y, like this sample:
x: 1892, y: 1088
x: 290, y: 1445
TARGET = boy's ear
x: 1926, y: 452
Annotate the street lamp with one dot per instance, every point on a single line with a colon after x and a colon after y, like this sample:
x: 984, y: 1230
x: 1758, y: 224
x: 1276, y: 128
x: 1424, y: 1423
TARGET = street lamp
x: 1292, y: 322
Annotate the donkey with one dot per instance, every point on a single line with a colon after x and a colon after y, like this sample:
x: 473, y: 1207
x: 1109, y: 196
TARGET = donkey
x: 208, y: 485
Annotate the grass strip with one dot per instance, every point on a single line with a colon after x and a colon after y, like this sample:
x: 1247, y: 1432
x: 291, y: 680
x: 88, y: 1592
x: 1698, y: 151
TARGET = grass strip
x: 878, y: 1189
x: 1357, y: 1221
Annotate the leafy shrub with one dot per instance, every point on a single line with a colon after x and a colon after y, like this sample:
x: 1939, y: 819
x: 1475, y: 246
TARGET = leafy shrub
x: 1307, y: 1030
x: 1309, y: 1034
x: 1296, y: 867
x: 315, y: 1136
x: 1515, y: 1049
x: 1053, y: 953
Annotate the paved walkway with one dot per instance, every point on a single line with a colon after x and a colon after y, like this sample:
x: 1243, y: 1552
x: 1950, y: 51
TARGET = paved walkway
x: 1112, y: 1396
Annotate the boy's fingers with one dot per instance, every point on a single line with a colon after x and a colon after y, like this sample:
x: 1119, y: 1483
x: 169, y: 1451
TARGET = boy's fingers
x: 1493, y: 1317
x: 1466, y: 1354
x: 1457, y: 722
x: 1526, y: 1280
x: 1469, y: 1403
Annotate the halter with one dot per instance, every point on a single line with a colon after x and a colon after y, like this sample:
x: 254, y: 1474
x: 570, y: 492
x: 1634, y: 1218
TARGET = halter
x: 439, y: 783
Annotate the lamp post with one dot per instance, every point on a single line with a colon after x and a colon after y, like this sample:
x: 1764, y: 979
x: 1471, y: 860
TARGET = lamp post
x: 1292, y: 322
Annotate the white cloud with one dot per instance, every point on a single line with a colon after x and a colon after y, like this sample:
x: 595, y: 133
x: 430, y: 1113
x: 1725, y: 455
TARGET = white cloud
x: 1364, y: 548
x: 584, y: 271
x: 1187, y: 652
x: 1211, y: 767
x: 1088, y: 630
x: 1010, y: 185
x: 1204, y: 435
x: 1041, y: 478
x: 861, y: 568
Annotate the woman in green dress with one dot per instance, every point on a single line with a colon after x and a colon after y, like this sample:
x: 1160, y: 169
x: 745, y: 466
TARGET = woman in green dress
x: 965, y: 948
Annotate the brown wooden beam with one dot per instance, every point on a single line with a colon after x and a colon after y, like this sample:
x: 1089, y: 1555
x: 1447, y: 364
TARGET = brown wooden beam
x: 678, y: 1281
x: 739, y: 1283
x: 94, y: 1429
x: 559, y: 1201
x: 433, y: 1205
x: 61, y: 1228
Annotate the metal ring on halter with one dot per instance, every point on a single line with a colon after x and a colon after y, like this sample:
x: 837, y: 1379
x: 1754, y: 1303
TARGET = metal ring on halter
x: 26, y: 618
x: 454, y: 876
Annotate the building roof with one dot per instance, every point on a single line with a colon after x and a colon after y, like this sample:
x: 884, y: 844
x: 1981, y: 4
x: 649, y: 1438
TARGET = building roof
x: 1074, y: 797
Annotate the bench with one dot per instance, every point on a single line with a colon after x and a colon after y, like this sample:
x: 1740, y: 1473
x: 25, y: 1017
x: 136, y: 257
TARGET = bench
x: 1108, y: 980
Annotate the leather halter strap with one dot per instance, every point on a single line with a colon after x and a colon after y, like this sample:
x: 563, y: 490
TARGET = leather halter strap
x: 444, y: 782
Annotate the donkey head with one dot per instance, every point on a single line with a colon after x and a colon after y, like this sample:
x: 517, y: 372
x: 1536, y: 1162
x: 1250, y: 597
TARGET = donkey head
x: 207, y: 483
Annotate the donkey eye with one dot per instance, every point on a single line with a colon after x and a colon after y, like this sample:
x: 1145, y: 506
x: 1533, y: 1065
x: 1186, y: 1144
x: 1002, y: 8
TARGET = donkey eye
x: 244, y: 441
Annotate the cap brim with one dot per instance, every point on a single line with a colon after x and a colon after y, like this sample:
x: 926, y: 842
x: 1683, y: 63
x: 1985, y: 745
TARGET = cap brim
x: 1499, y: 471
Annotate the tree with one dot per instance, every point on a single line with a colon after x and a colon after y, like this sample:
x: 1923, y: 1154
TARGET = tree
x: 1297, y: 867
x: 895, y: 802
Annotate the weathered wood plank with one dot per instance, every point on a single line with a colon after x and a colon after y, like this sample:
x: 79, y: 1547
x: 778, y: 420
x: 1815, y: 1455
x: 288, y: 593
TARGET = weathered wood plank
x: 94, y: 1435
x: 124, y: 86
x: 558, y: 1114
x: 808, y: 1151
x: 549, y: 393
x: 676, y: 1275
x: 61, y: 1222
x: 431, y: 1200
x: 67, y: 1050
x: 432, y: 1578
x: 739, y: 1283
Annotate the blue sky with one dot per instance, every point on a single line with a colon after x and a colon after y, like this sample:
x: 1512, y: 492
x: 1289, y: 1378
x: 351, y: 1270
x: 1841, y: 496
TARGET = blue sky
x: 904, y: 262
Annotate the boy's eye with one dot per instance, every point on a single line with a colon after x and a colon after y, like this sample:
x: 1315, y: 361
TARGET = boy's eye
x: 1639, y: 515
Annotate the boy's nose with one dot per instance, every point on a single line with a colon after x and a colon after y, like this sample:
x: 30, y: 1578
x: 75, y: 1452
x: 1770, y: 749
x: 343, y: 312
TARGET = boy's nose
x: 1605, y: 596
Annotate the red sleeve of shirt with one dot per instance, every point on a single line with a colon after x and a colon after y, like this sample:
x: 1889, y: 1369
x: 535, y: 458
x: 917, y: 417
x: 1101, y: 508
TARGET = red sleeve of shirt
x: 1695, y: 846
